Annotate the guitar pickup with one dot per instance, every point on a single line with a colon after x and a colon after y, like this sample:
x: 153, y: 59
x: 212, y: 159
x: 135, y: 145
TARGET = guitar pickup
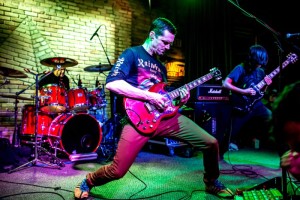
x: 149, y: 107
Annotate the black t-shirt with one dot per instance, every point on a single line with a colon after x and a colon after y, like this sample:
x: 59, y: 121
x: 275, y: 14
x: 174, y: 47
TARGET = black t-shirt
x: 244, y: 79
x: 137, y: 67
x: 52, y: 79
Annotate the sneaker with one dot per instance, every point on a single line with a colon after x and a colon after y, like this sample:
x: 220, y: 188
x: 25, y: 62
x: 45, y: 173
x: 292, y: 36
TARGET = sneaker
x: 82, y: 190
x: 233, y: 147
x: 217, y: 188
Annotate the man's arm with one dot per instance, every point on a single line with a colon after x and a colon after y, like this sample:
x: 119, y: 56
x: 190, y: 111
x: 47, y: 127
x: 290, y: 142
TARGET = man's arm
x: 228, y: 85
x: 123, y: 88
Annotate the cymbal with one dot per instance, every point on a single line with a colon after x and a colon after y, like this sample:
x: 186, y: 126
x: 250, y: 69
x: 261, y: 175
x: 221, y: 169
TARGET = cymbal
x: 59, y: 61
x: 98, y: 68
x: 15, y: 96
x: 4, y: 71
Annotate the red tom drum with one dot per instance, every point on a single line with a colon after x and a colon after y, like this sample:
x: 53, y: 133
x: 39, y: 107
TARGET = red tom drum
x: 77, y: 100
x: 53, y: 99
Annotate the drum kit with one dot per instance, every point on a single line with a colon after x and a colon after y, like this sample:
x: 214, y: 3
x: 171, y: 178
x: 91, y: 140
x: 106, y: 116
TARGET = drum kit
x: 65, y: 119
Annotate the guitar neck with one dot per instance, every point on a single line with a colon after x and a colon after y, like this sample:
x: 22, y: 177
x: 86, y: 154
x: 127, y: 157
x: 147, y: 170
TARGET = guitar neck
x: 276, y: 71
x: 191, y: 85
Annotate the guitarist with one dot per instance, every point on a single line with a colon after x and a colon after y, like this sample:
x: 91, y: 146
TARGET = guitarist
x: 136, y: 70
x: 239, y: 82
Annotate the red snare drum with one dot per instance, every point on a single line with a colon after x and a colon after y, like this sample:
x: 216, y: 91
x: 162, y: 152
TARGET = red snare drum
x: 77, y: 100
x: 75, y: 134
x: 28, y: 122
x: 96, y: 99
x: 53, y: 99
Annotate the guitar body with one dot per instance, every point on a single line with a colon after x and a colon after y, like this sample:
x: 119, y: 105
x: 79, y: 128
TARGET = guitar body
x: 146, y: 117
x: 244, y: 103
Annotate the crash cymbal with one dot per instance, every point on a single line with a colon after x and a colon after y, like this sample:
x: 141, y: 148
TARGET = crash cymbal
x: 59, y: 62
x: 4, y: 71
x: 98, y: 68
x: 15, y: 96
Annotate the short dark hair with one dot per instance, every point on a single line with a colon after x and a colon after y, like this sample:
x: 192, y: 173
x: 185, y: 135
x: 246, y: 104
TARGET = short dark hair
x: 160, y: 24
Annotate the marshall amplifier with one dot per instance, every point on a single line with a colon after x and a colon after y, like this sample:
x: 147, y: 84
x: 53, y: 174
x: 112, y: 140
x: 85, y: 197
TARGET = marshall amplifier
x: 211, y: 92
x: 213, y: 116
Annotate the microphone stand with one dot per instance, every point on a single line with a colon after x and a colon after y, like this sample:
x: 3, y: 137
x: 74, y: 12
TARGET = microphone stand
x: 36, y: 143
x: 113, y: 106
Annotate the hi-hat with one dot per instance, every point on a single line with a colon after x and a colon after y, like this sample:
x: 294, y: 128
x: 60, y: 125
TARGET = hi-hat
x: 15, y: 97
x: 98, y: 68
x: 4, y: 71
x: 58, y: 62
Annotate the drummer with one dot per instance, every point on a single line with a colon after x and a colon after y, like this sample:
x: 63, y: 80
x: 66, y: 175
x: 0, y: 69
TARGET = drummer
x: 56, y: 77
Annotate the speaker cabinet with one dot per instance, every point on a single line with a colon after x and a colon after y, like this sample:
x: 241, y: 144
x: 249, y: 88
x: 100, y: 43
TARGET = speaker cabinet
x: 214, y: 117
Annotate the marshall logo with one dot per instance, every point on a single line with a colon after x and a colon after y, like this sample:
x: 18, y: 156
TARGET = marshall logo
x: 214, y: 91
x: 211, y: 92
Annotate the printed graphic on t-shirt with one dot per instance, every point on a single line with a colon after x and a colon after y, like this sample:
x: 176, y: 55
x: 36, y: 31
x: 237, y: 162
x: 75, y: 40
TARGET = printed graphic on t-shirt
x: 148, y: 74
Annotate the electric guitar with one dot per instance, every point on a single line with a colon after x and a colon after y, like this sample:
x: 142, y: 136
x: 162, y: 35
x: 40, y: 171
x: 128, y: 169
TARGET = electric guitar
x: 146, y: 117
x: 244, y: 103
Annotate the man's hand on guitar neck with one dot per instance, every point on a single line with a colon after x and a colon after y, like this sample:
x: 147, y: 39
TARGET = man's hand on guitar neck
x: 184, y: 96
x: 268, y: 81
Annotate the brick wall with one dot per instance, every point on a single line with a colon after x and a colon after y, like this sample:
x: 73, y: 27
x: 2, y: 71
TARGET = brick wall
x: 33, y: 30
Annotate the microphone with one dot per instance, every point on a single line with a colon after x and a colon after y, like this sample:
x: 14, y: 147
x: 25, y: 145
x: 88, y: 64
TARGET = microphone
x: 95, y: 32
x: 79, y: 84
x: 28, y: 71
x: 46, y: 72
x: 97, y: 83
x: 6, y: 81
x: 289, y: 35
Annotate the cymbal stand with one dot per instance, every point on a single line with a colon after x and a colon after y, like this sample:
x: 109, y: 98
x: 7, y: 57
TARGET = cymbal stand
x: 16, y: 139
x: 36, y: 143
x: 5, y: 82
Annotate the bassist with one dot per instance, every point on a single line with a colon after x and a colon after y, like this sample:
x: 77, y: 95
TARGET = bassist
x: 247, y: 107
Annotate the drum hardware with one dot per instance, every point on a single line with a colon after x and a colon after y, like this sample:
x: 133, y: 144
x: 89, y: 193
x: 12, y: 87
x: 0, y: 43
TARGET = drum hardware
x: 8, y: 72
x: 37, y: 145
x: 98, y: 68
x: 17, y: 97
x: 59, y: 62
x: 110, y: 138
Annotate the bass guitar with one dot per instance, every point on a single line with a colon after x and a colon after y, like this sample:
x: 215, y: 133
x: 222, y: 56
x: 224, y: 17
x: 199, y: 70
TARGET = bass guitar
x: 244, y: 103
x: 146, y: 117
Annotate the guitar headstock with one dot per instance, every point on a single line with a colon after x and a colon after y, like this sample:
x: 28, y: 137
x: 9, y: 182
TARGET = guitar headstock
x: 216, y: 73
x: 292, y: 57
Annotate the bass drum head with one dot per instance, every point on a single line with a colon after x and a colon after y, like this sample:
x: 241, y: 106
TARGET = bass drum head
x: 77, y: 134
